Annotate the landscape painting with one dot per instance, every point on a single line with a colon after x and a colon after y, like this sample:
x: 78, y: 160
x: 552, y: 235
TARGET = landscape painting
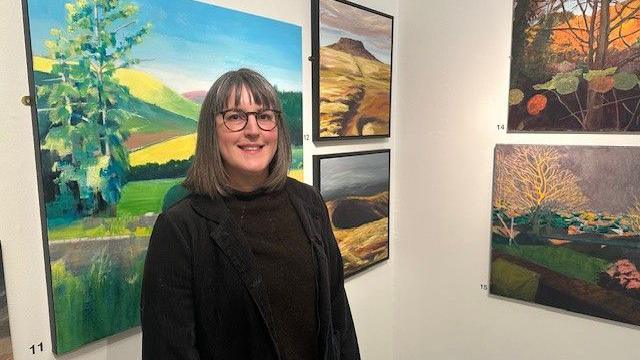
x: 566, y: 228
x: 355, y: 188
x: 118, y: 87
x: 352, y: 48
x: 6, y: 349
x: 575, y: 66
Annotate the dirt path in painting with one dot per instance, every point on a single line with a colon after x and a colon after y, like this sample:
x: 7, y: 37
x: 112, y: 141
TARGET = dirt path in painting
x: 348, y: 121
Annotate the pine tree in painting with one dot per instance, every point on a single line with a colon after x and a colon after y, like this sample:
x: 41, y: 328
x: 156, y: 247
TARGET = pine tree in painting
x: 86, y: 104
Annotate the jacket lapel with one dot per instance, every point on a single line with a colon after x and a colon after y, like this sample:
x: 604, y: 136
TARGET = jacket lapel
x: 230, y: 239
x: 313, y: 226
x: 306, y: 212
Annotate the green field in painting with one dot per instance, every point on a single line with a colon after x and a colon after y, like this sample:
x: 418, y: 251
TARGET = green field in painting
x: 562, y: 260
x: 106, y: 227
x: 141, y: 197
x: 97, y: 303
x: 138, y: 198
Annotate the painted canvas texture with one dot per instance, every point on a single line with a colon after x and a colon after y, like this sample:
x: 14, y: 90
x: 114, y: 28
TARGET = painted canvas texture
x: 119, y: 87
x: 6, y: 349
x: 566, y: 228
x: 355, y: 189
x: 574, y: 66
x: 355, y: 71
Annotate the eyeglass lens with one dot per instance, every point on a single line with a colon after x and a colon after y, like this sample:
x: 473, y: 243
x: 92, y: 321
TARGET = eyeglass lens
x: 236, y: 120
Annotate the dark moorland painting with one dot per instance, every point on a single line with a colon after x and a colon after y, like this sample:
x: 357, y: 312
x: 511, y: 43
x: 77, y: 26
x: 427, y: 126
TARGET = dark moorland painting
x: 355, y: 188
x: 566, y: 228
x: 575, y: 66
x: 119, y: 86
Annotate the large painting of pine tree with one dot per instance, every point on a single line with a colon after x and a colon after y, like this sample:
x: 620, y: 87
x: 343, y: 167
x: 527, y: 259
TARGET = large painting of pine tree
x: 118, y: 87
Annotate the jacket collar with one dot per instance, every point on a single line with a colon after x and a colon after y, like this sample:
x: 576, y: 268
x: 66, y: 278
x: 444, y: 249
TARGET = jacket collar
x: 213, y: 209
x: 216, y: 210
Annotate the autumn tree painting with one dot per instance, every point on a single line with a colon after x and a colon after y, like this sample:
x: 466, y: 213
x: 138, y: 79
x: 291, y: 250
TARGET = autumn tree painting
x: 575, y: 66
x: 566, y: 228
x: 531, y: 179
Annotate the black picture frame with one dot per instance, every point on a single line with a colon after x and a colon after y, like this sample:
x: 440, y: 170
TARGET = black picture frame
x: 317, y: 183
x: 315, y: 73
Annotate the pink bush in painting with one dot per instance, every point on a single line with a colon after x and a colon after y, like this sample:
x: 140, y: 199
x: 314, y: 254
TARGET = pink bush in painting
x: 625, y: 273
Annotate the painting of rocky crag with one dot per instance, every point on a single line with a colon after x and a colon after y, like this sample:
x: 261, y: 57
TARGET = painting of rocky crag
x: 566, y: 228
x: 575, y: 66
x: 118, y: 87
x: 354, y: 87
x: 355, y: 188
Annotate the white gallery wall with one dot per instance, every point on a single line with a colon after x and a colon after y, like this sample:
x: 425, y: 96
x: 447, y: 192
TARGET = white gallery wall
x: 370, y: 292
x: 453, y: 80
x: 450, y: 84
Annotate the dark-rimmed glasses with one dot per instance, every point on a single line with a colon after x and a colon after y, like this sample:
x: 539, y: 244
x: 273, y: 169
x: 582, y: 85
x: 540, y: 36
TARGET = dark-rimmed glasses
x: 236, y: 119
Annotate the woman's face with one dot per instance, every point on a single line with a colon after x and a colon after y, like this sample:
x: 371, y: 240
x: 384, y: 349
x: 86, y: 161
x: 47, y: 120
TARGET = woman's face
x: 246, y: 153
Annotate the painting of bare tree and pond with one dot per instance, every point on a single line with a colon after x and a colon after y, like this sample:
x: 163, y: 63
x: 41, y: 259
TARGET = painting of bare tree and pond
x: 118, y: 86
x: 575, y: 66
x: 355, y: 188
x: 566, y: 228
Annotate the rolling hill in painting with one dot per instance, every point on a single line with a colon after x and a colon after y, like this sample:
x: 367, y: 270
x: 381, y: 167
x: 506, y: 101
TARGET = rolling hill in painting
x: 160, y: 113
x: 360, y: 225
x: 354, y: 91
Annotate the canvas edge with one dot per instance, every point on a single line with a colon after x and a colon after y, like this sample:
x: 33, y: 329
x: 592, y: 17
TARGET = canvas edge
x: 36, y: 141
x: 493, y: 184
x: 315, y: 69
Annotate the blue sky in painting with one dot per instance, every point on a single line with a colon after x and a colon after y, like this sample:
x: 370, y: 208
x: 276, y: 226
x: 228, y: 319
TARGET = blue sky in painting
x: 192, y: 43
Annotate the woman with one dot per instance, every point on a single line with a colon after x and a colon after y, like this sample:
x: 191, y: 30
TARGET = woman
x: 246, y: 267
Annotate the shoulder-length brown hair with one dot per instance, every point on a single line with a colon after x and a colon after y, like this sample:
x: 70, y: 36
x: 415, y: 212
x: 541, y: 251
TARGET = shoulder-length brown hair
x: 207, y: 174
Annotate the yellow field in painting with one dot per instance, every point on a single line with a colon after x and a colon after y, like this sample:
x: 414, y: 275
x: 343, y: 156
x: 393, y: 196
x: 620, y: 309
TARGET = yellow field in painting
x: 180, y: 148
x: 364, y: 244
x: 297, y: 174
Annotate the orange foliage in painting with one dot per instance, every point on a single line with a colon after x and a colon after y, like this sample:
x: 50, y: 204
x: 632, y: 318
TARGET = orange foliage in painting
x: 574, y: 34
x: 530, y: 177
x: 536, y: 104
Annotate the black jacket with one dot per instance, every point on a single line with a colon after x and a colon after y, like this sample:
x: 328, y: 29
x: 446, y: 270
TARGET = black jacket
x: 203, y: 297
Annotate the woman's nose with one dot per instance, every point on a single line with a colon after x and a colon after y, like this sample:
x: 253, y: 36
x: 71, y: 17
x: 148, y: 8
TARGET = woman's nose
x: 252, y: 127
